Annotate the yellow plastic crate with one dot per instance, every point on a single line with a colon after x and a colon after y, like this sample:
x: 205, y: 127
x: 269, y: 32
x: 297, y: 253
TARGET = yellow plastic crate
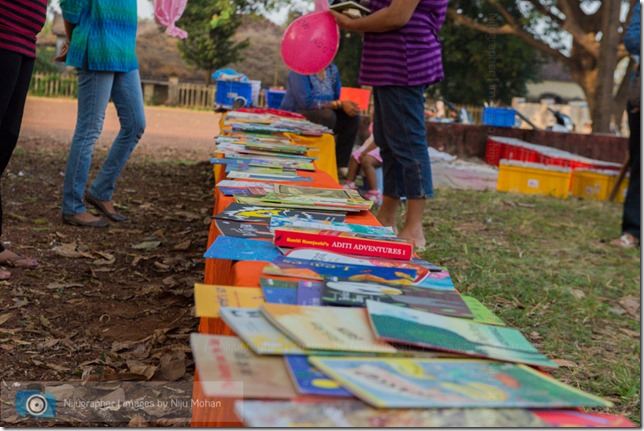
x: 596, y: 184
x: 533, y: 179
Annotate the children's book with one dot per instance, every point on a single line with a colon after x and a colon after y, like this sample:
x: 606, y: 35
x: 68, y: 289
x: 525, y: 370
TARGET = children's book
x: 268, y: 187
x: 278, y: 222
x: 326, y: 328
x: 300, y: 205
x: 259, y: 214
x: 243, y: 230
x: 252, y: 327
x: 309, y: 381
x: 578, y: 419
x: 356, y: 414
x: 351, y: 8
x: 228, y: 247
x: 309, y: 292
x: 337, y: 291
x: 317, y: 191
x: 273, y: 177
x: 276, y: 148
x: 481, y: 313
x: 345, y: 242
x: 424, y: 277
x: 227, y: 368
x: 450, y: 334
x: 315, y: 270
x: 279, y: 291
x: 461, y: 383
x: 210, y: 298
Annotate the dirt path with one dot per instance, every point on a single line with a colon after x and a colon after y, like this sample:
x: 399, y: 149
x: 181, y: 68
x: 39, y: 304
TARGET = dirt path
x: 170, y: 133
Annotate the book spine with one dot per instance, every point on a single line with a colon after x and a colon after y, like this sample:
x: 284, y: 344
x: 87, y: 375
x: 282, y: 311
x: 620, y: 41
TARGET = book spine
x: 347, y: 244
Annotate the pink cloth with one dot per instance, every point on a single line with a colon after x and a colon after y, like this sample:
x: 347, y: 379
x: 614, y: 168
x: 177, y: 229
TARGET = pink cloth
x: 375, y: 153
x: 167, y: 12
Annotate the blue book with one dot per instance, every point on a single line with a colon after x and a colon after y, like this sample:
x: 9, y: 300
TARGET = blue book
x: 309, y: 292
x: 279, y: 291
x: 232, y: 248
x: 309, y: 381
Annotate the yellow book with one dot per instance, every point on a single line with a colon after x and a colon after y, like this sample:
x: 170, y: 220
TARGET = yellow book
x: 209, y: 298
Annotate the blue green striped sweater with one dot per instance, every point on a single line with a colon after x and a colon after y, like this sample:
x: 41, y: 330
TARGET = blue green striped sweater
x: 105, y: 34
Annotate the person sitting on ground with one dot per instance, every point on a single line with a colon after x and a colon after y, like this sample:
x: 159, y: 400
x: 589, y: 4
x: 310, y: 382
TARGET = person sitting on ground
x: 316, y: 96
x: 367, y: 158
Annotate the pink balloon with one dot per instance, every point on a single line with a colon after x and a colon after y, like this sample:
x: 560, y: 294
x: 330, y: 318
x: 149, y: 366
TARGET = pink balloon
x: 310, y: 43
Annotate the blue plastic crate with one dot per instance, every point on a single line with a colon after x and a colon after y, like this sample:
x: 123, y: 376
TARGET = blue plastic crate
x: 274, y: 98
x: 233, y: 94
x: 499, y: 117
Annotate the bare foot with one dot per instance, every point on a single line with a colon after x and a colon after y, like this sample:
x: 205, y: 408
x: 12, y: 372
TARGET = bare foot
x: 418, y: 237
x: 13, y: 260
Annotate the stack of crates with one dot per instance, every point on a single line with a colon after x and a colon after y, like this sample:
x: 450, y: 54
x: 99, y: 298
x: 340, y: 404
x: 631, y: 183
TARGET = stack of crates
x: 533, y: 178
x: 597, y: 184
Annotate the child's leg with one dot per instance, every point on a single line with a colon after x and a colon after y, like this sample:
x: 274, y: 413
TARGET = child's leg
x: 413, y: 227
x: 389, y: 211
x: 369, y: 166
x: 354, y: 167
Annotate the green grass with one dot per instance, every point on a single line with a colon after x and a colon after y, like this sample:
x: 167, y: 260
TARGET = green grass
x: 544, y: 266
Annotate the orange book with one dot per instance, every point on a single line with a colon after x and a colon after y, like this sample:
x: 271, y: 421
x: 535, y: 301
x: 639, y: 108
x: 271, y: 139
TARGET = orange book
x: 358, y: 95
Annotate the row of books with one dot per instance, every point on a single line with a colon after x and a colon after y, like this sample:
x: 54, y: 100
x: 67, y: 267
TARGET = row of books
x: 348, y: 327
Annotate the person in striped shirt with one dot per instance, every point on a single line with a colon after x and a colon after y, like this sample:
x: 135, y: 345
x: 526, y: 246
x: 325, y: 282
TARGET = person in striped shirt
x: 20, y: 22
x: 101, y: 46
x: 401, y: 56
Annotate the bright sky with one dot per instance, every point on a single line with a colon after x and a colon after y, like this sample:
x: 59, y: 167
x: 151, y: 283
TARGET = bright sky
x: 146, y: 11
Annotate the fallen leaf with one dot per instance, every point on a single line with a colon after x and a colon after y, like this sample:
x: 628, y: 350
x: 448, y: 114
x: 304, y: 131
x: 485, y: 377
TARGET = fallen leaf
x: 631, y: 305
x: 182, y: 246
x: 564, y: 363
x: 579, y: 294
x: 57, y: 285
x: 630, y: 333
x: 18, y: 303
x: 535, y: 335
x: 172, y: 365
x: 49, y: 343
x: 138, y: 367
x: 137, y: 421
x: 57, y: 367
x: 4, y: 317
x: 146, y: 245
x: 168, y: 281
x: 70, y: 250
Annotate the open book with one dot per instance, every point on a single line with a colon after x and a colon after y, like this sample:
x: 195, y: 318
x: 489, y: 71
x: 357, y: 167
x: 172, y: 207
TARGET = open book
x: 350, y: 7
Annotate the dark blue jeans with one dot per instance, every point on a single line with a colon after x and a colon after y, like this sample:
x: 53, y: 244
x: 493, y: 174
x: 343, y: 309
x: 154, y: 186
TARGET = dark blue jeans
x: 399, y: 131
x: 631, y: 217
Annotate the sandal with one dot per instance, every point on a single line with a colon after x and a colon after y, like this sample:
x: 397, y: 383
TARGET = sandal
x: 373, y: 196
x: 100, y: 205
x: 16, y: 261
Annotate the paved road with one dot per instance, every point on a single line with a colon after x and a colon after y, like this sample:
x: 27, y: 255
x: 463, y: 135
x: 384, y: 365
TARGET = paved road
x: 170, y: 132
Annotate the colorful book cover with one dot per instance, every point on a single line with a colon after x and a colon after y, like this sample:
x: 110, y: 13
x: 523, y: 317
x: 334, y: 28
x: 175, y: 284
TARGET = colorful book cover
x: 269, y: 187
x: 426, y: 274
x: 316, y: 270
x: 450, y: 334
x: 345, y: 242
x: 461, y: 383
x: 309, y: 381
x: 259, y: 214
x: 317, y: 191
x: 356, y: 414
x: 278, y: 222
x: 240, y: 229
x: 227, y: 368
x: 309, y: 293
x: 231, y: 191
x: 232, y: 248
x: 481, y: 313
x: 326, y: 328
x: 209, y: 298
x: 260, y: 201
x: 577, y: 419
x: 252, y: 327
x: 279, y: 291
x: 274, y: 177
x: 355, y: 294
x: 288, y: 149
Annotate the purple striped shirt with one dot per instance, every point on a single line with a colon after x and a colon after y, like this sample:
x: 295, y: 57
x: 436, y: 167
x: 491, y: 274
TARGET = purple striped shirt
x: 20, y: 22
x: 408, y: 56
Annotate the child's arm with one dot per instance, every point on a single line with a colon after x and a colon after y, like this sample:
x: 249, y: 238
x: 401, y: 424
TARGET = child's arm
x: 69, y: 29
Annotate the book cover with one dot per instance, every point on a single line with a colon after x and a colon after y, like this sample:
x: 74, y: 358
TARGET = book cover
x: 209, y: 298
x: 231, y: 191
x: 306, y: 206
x: 279, y: 291
x: 355, y: 294
x: 276, y: 148
x: 227, y: 368
x: 232, y: 248
x: 278, y: 222
x: 577, y: 419
x: 309, y: 381
x: 259, y: 214
x: 450, y: 334
x: 356, y: 414
x: 326, y: 328
x: 461, y: 383
x: 316, y: 270
x: 317, y: 191
x: 344, y: 242
x: 262, y: 337
x: 274, y: 177
x: 309, y: 293
x: 348, y: 5
x: 240, y: 229
x: 481, y: 313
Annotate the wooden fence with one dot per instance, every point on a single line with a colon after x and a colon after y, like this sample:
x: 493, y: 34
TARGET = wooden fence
x: 54, y: 85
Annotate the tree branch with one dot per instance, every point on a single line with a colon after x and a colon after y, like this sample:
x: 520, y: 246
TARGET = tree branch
x: 507, y: 29
x: 547, y: 12
x: 572, y: 24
